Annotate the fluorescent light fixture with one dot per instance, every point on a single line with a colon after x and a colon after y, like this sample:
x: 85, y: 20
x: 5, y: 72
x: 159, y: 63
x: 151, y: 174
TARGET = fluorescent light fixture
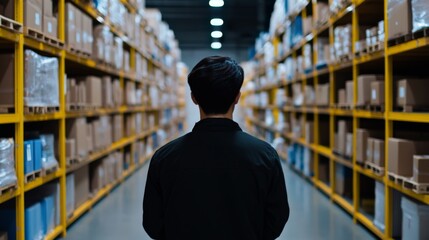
x: 217, y: 34
x: 216, y: 45
x: 216, y: 22
x: 216, y: 3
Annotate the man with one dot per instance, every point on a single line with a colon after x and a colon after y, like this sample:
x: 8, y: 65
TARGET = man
x: 216, y: 182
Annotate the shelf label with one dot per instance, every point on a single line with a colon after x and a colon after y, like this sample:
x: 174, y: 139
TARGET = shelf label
x: 49, y: 27
x: 374, y: 94
x: 37, y: 18
x: 401, y: 92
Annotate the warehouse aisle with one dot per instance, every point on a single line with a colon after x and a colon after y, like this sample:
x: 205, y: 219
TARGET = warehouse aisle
x: 313, y: 216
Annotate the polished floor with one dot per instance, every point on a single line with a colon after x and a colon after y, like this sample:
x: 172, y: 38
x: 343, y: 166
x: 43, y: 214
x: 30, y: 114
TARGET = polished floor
x: 313, y: 216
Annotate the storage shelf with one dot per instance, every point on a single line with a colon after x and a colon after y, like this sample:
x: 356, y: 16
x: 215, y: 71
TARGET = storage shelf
x: 55, y: 233
x: 343, y: 203
x: 409, y: 117
x: 421, y: 197
x: 368, y: 114
x: 42, y: 47
x: 369, y: 224
x: 42, y: 180
x: 43, y: 117
x: 9, y: 118
x: 9, y: 195
x: 368, y: 173
x: 342, y: 161
x: 369, y: 57
x: 9, y: 35
x: 408, y: 46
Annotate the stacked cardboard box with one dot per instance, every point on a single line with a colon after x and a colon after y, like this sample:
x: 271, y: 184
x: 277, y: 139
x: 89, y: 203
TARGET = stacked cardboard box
x: 344, y: 129
x: 118, y: 93
x: 117, y: 122
x: 33, y: 15
x: 421, y: 169
x: 322, y: 94
x: 342, y: 42
x: 377, y: 93
x: 399, y: 18
x: 401, y: 152
x: 79, y: 32
x: 369, y: 146
x: 50, y: 23
x: 364, y: 88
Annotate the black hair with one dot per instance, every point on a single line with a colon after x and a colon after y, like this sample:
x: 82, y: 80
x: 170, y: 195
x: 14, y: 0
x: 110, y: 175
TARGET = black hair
x: 215, y: 83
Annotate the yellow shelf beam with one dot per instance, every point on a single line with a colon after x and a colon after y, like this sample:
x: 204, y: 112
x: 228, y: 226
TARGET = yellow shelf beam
x: 43, y: 117
x: 369, y: 57
x: 43, y: 47
x: 9, y: 35
x: 55, y: 233
x: 9, y: 195
x: 368, y: 173
x: 409, y: 117
x: 369, y: 224
x: 343, y: 203
x: 9, y: 118
x: 42, y: 180
x: 408, y: 46
x: 421, y: 197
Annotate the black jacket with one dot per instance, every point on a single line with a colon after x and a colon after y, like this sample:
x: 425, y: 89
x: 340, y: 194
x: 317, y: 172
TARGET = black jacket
x: 216, y: 182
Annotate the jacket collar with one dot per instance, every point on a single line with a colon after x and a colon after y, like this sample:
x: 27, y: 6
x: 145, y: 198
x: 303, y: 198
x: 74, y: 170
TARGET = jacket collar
x: 215, y: 125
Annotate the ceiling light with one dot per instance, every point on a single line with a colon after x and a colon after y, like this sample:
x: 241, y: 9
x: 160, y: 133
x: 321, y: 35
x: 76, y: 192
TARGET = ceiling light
x: 216, y: 45
x: 217, y: 34
x: 216, y: 3
x: 216, y: 22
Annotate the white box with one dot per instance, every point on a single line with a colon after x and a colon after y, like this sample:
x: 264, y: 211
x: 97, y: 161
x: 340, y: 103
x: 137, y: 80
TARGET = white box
x: 415, y: 220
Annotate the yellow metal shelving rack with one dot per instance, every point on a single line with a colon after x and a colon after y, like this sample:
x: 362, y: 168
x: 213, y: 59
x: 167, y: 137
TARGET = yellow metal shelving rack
x: 20, y: 42
x: 389, y: 116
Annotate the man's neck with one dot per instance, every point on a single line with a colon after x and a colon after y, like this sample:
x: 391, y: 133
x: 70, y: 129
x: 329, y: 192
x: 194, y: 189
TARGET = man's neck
x: 227, y: 115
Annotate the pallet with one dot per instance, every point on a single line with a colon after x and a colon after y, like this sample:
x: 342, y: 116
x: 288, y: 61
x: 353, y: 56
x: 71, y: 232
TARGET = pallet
x: 410, y: 109
x: 40, y: 110
x: 33, y: 33
x: 408, y: 37
x: 377, y: 170
x: 419, y: 188
x: 72, y: 161
x: 399, y: 180
x: 79, y: 52
x: 10, y: 24
x: 32, y: 176
x: 345, y: 58
x: 7, y: 109
x: 47, y: 171
x: 8, y: 188
x: 361, y: 164
x: 376, y: 47
x: 343, y: 107
x: 53, y: 41
x: 371, y: 108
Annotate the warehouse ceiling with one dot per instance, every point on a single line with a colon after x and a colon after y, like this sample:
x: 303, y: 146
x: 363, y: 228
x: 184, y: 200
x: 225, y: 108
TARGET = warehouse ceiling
x: 190, y: 20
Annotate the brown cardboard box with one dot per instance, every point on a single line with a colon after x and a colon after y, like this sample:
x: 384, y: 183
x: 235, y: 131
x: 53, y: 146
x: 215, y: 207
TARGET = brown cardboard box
x: 399, y: 19
x: 322, y: 97
x: 401, y: 153
x: 7, y: 79
x: 342, y: 97
x: 7, y: 9
x: 70, y: 24
x: 421, y: 168
x: 93, y: 91
x: 117, y: 127
x: 131, y: 125
x: 413, y: 92
x: 324, y: 172
x: 97, y: 176
x: 309, y: 132
x: 47, y: 8
x: 343, y: 128
x: 364, y: 88
x: 370, y: 150
x: 79, y: 32
x: 50, y: 26
x: 107, y: 92
x: 377, y: 93
x: 90, y: 137
x: 32, y: 16
x: 361, y: 144
x: 378, y: 156
x: 349, y: 93
x: 349, y: 145
x: 77, y: 131
x: 82, y: 93
x: 87, y: 33
x: 70, y: 148
x: 81, y: 184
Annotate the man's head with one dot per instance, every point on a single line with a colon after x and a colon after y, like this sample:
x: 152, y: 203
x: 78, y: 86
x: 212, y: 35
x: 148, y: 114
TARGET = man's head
x: 215, y: 84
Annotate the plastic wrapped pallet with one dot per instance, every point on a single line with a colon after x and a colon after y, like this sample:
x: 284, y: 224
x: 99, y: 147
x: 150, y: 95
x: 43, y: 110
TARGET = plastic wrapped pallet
x: 41, y: 86
x: 49, y: 160
x: 420, y: 13
x: 7, y: 162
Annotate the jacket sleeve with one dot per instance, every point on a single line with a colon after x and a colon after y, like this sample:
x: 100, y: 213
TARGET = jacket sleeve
x: 276, y: 206
x: 153, y: 213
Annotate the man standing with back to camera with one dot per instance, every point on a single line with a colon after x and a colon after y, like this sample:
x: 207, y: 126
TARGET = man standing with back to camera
x: 216, y: 182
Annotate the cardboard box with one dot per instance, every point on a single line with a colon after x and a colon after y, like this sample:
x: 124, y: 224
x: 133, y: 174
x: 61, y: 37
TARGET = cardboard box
x: 370, y: 150
x: 47, y: 8
x: 343, y: 128
x: 81, y: 184
x: 377, y: 93
x: 87, y: 34
x: 309, y: 132
x: 401, y: 153
x: 378, y: 156
x: 364, y: 88
x: 412, y: 92
x: 117, y: 127
x: 7, y: 80
x: 342, y: 97
x: 349, y: 93
x: 79, y: 29
x: 70, y: 25
x: 70, y: 148
x: 343, y: 180
x: 107, y: 92
x: 33, y: 15
x: 361, y: 144
x: 399, y: 19
x: 421, y: 168
x: 349, y: 145
x: 90, y: 137
x: 50, y: 26
x: 28, y: 157
x: 93, y: 91
x: 7, y: 9
x: 37, y: 154
x: 77, y: 130
x: 70, y: 205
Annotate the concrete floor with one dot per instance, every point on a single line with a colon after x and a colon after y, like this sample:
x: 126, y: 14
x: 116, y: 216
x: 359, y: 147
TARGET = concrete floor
x: 313, y: 216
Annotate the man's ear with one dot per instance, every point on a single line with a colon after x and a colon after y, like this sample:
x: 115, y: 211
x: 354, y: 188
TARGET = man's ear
x: 193, y: 99
x: 237, y: 98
